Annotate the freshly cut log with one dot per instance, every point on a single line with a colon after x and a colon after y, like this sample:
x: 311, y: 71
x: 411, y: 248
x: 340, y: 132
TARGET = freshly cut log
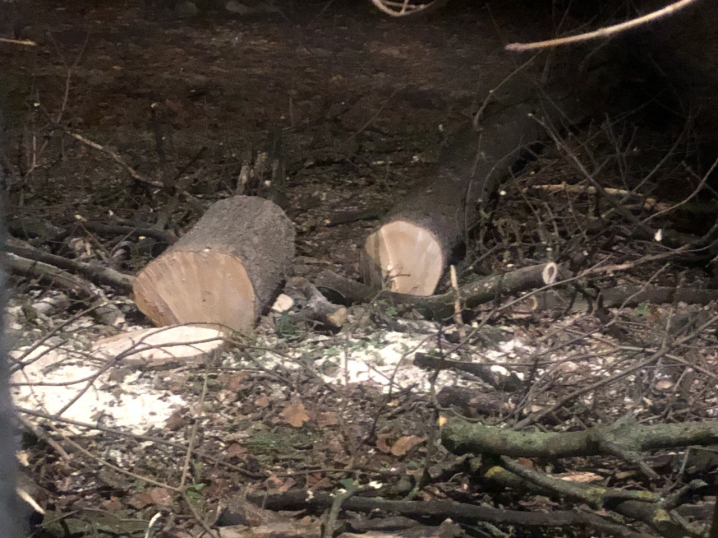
x: 409, y: 251
x: 225, y: 270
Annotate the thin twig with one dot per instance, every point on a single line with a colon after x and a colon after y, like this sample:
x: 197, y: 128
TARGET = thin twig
x: 532, y: 419
x: 106, y: 463
x: 134, y: 174
x: 139, y: 437
x: 23, y: 42
x: 695, y: 192
x: 193, y: 434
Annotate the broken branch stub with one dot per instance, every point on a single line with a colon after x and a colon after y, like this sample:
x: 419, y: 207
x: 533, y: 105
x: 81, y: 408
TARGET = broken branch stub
x: 225, y: 270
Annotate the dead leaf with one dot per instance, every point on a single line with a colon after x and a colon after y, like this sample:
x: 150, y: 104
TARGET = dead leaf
x: 234, y: 382
x: 313, y: 479
x: 175, y: 422
x: 226, y: 396
x: 334, y: 444
x: 235, y: 450
x: 295, y: 414
x: 161, y: 496
x: 112, y: 505
x: 405, y: 444
x: 140, y: 500
x: 581, y: 478
x: 276, y: 483
x: 289, y: 483
x: 625, y: 475
x: 327, y: 418
x: 664, y: 384
x: 262, y: 401
x: 381, y: 443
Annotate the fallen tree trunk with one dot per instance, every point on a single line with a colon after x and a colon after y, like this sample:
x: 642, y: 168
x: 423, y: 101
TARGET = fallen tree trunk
x: 410, y: 250
x: 225, y: 270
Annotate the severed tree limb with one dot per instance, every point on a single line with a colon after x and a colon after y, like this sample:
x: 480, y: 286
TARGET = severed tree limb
x: 442, y: 306
x: 647, y: 203
x: 302, y: 500
x: 535, y: 417
x: 462, y: 437
x: 21, y: 42
x: 509, y: 382
x: 638, y: 505
x: 472, y: 403
x: 597, y: 498
x: 406, y: 9
x: 96, y: 274
x: 666, y: 523
x: 604, y: 32
x: 314, y: 306
x: 54, y: 419
x: 347, y: 217
x: 105, y: 312
x: 134, y: 174
x: 41, y: 271
x: 121, y: 229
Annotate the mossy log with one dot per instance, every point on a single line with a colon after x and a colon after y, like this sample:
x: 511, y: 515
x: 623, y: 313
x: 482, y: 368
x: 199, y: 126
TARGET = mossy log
x: 462, y: 437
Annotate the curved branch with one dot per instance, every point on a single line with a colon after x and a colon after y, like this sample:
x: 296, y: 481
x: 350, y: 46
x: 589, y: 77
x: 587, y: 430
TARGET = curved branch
x: 604, y: 32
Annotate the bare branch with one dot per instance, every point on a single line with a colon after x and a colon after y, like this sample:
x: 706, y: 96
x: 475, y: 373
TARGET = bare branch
x: 603, y: 32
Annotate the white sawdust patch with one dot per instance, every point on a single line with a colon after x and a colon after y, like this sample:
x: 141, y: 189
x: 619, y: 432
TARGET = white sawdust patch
x: 53, y: 378
x: 384, y: 359
x: 56, y: 377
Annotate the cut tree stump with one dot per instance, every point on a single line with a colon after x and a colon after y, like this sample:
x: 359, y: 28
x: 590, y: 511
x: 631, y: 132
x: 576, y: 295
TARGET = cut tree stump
x: 225, y: 270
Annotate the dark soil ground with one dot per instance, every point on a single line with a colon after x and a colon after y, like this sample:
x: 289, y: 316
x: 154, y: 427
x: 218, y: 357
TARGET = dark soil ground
x: 362, y: 103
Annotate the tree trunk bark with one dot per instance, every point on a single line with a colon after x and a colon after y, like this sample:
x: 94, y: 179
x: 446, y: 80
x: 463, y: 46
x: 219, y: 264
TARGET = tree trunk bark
x: 225, y: 270
x: 410, y: 250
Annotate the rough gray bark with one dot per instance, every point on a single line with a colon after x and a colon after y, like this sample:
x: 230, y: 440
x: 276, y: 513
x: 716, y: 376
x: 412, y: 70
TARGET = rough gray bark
x: 225, y: 270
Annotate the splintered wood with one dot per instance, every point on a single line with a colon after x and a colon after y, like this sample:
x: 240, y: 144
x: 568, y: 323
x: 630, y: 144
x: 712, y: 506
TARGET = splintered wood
x: 225, y: 270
